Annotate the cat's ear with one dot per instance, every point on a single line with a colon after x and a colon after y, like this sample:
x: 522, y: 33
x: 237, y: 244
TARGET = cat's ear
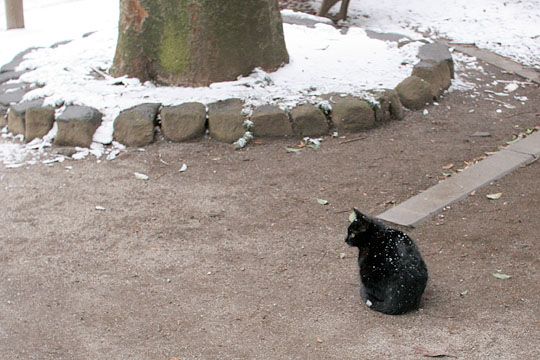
x: 362, y: 221
x: 353, y: 216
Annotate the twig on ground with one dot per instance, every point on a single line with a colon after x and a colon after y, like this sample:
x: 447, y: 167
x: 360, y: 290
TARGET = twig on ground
x: 101, y: 73
x: 525, y: 113
x: 353, y: 140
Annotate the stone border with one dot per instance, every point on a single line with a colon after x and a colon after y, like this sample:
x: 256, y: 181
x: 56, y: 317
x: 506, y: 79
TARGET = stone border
x: 226, y: 120
x: 430, y: 202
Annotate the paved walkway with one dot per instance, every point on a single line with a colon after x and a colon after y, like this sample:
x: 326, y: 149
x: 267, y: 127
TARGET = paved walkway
x: 422, y: 206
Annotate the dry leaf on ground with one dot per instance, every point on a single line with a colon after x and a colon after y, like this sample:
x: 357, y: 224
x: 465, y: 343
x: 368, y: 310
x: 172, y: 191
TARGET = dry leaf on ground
x: 495, y: 196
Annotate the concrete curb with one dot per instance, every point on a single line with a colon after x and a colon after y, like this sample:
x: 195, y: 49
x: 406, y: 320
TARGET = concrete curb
x: 422, y: 206
x: 496, y: 60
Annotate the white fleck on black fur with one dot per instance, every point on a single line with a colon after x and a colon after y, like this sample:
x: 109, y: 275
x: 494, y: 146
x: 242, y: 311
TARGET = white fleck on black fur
x: 392, y: 270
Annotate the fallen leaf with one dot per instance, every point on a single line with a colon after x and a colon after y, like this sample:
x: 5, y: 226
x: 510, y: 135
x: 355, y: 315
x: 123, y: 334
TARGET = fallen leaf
x: 495, y: 196
x: 511, y: 87
x: 448, y: 167
x: 163, y: 161
x: 431, y: 353
x: 481, y: 134
x: 501, y: 276
x: 515, y: 139
x: 58, y: 159
x: 293, y: 150
x: 323, y: 202
x: 140, y: 176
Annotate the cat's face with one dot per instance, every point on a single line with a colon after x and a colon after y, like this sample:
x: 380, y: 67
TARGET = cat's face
x: 358, y: 228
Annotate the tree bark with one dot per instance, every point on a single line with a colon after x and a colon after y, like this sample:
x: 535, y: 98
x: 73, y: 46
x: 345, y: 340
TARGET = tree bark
x: 14, y: 14
x: 328, y: 4
x: 198, y: 42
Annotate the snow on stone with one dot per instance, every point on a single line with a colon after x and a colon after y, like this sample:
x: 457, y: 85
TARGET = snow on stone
x: 14, y: 153
x: 322, y: 60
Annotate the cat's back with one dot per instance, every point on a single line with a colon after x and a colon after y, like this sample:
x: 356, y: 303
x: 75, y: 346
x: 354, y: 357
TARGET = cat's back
x: 412, y: 262
x: 403, y: 254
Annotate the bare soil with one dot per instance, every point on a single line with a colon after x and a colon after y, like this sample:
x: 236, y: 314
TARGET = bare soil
x: 235, y: 258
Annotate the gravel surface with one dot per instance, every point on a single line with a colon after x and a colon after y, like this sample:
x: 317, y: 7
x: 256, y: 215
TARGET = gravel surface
x: 236, y: 259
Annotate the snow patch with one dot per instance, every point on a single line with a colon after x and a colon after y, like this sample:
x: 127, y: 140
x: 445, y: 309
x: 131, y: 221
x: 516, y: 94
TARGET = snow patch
x: 509, y: 28
x: 322, y: 60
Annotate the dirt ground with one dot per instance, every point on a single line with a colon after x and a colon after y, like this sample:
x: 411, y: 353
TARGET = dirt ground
x: 235, y: 258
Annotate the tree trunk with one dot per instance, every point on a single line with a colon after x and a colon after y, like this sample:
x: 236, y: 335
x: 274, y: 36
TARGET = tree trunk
x: 14, y: 14
x: 198, y: 42
x: 328, y: 4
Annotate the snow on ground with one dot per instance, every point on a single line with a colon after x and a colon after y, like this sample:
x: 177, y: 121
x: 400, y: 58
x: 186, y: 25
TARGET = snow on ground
x: 510, y: 28
x: 50, y: 21
x: 322, y: 60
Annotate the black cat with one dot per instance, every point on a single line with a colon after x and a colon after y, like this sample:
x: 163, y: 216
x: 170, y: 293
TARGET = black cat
x: 391, y: 268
